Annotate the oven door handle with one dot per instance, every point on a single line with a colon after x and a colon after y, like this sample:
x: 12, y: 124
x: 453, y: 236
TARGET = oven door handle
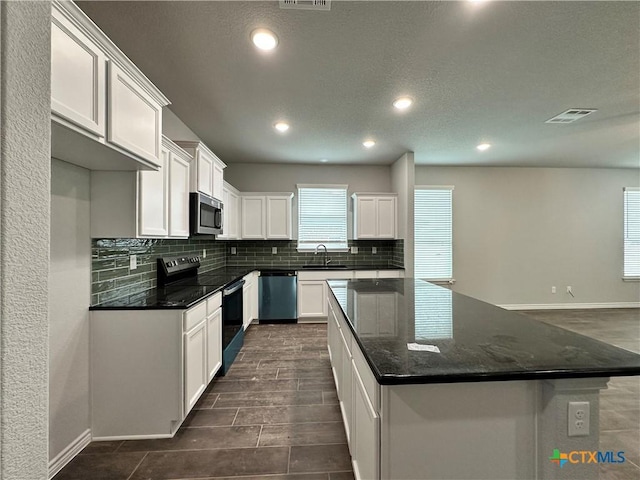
x: 233, y: 288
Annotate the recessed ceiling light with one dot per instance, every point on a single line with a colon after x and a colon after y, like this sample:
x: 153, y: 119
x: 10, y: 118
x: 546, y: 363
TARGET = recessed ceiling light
x: 484, y: 146
x: 368, y: 143
x: 402, y: 103
x: 324, y: 160
x: 281, y: 126
x: 264, y: 39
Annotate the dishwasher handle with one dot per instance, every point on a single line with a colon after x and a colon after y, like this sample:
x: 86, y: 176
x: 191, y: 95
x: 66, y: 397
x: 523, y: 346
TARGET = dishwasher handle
x: 232, y: 288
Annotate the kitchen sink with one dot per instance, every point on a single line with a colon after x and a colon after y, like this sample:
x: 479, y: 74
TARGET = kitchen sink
x: 326, y: 267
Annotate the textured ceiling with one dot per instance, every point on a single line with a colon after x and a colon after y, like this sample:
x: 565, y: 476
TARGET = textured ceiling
x: 479, y: 72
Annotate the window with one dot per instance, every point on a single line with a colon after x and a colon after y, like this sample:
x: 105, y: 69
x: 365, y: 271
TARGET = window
x: 433, y: 238
x: 322, y: 217
x: 631, y: 232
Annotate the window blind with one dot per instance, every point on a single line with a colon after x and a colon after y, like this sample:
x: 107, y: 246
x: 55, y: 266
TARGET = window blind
x: 322, y: 217
x: 632, y: 232
x: 433, y: 233
x: 433, y: 312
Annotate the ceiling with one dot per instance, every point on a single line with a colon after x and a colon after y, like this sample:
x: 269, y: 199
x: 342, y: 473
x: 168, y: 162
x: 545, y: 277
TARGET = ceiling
x: 479, y: 72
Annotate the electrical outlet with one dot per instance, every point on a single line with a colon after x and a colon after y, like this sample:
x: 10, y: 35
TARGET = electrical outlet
x: 274, y: 250
x: 204, y: 253
x: 133, y: 262
x: 578, y: 419
x: 233, y: 250
x: 374, y: 250
x: 354, y: 250
x: 553, y: 289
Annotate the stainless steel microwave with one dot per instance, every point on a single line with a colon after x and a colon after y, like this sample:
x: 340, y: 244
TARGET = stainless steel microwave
x: 205, y: 214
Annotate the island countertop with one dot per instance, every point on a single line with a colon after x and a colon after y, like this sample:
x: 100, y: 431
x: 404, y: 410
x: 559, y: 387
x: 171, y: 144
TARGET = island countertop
x: 463, y: 339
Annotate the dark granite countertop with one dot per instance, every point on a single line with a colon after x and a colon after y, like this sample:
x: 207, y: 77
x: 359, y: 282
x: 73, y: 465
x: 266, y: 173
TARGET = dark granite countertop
x: 188, y: 292
x: 477, y: 341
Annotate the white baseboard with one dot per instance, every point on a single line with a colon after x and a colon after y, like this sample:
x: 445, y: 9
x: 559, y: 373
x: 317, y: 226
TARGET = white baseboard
x: 569, y: 306
x: 68, y: 454
x: 114, y: 438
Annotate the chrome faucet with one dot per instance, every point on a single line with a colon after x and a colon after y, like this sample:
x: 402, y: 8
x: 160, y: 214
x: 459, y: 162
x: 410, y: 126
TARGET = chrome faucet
x: 327, y: 260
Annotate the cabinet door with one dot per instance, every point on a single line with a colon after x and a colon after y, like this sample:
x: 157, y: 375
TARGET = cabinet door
x: 367, y: 218
x: 218, y: 180
x: 254, y: 296
x: 246, y: 305
x: 77, y: 77
x: 134, y: 118
x: 279, y: 217
x: 346, y: 387
x: 195, y: 364
x: 253, y: 217
x: 365, y: 433
x: 214, y: 343
x: 153, y: 191
x: 234, y: 216
x: 312, y: 298
x: 204, y: 173
x: 386, y: 217
x: 178, y: 197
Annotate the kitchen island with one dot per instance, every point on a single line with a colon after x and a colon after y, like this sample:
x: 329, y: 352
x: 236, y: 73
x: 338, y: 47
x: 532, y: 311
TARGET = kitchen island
x: 437, y: 385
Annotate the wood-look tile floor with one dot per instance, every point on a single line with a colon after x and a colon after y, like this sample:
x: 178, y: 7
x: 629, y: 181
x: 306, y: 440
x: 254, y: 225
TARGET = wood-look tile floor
x: 620, y: 402
x: 274, y: 416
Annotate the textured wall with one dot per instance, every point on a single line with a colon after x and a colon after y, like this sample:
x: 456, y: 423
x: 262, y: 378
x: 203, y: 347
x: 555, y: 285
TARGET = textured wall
x: 24, y: 222
x: 519, y: 231
x: 69, y: 293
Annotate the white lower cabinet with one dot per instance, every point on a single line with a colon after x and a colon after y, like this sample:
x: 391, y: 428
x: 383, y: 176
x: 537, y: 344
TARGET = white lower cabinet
x: 311, y: 299
x: 214, y: 336
x: 250, y: 299
x: 195, y: 364
x: 168, y: 356
x: 365, y: 428
x: 358, y: 394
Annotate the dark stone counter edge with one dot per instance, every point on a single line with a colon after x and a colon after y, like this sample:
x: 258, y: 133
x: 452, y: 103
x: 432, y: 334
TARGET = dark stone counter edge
x: 247, y: 271
x: 501, y: 377
x: 484, y: 377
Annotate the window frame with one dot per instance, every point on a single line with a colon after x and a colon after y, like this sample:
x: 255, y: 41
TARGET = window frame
x: 311, y: 245
x: 443, y: 280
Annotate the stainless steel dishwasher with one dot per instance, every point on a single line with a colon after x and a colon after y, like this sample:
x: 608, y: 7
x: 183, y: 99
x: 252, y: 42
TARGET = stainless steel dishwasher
x: 278, y: 293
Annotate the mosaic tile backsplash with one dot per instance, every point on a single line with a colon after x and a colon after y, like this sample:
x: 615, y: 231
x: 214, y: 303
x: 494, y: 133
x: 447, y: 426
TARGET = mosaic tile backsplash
x: 111, y: 277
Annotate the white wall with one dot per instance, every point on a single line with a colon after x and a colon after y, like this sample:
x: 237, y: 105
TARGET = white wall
x: 272, y: 177
x: 69, y: 299
x: 402, y: 179
x: 519, y: 231
x: 25, y: 150
x: 175, y: 129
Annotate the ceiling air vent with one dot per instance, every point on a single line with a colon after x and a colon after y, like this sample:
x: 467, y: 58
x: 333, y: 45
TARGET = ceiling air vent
x: 571, y: 115
x: 306, y: 4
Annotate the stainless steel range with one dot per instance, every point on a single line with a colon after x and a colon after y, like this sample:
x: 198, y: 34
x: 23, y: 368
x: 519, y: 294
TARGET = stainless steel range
x: 179, y: 280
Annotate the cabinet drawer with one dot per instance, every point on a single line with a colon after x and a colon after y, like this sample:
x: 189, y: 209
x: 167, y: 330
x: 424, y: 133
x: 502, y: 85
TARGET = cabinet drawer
x: 325, y: 274
x: 194, y: 315
x: 214, y: 302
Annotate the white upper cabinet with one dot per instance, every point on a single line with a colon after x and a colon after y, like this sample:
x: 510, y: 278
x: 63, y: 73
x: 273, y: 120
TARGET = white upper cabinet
x: 145, y: 203
x: 253, y: 217
x: 134, y: 119
x: 153, y: 193
x: 178, y: 190
x: 207, y: 174
x: 230, y: 212
x: 279, y: 216
x: 266, y: 216
x: 106, y: 115
x: 374, y: 216
x: 77, y: 76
